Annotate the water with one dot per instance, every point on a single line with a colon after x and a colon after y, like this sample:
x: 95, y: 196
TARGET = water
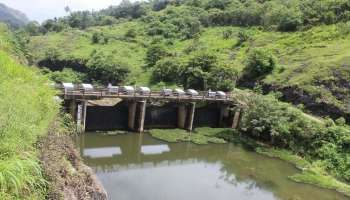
x: 133, y: 167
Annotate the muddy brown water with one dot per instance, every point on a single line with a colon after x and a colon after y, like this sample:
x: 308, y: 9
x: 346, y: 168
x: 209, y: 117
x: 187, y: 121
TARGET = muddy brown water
x: 134, y: 166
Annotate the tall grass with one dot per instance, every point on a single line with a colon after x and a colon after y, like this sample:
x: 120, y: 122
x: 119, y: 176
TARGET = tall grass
x: 27, y: 108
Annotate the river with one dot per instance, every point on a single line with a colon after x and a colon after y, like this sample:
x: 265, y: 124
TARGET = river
x: 135, y: 167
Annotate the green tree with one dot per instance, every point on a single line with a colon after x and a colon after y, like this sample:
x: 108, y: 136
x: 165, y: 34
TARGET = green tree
x: 168, y: 70
x: 198, y: 70
x: 154, y: 53
x: 260, y: 63
x: 107, y: 68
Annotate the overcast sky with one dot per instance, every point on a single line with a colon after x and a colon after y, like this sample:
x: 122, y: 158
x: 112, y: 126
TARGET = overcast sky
x: 40, y: 10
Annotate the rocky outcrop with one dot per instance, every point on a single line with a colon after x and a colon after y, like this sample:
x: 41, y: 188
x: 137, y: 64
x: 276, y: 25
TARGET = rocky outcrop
x: 297, y: 96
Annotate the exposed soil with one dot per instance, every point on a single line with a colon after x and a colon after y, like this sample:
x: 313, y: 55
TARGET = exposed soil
x: 296, y: 95
x: 69, y: 178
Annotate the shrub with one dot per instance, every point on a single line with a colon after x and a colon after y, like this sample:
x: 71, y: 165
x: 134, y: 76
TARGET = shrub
x: 168, y: 70
x: 154, y: 53
x: 260, y: 63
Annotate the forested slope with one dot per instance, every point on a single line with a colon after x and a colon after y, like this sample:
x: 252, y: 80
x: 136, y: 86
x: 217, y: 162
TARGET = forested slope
x: 299, y: 48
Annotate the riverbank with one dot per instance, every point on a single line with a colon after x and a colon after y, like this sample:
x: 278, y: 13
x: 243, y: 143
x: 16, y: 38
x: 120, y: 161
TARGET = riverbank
x: 312, y: 171
x: 66, y: 174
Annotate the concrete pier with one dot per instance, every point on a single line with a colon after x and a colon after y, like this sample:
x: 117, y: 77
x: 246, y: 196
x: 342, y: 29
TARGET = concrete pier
x: 73, y: 109
x: 81, y: 116
x: 192, y: 109
x: 236, y: 117
x: 132, y: 114
x: 181, y: 116
x: 223, y: 113
x: 142, y: 115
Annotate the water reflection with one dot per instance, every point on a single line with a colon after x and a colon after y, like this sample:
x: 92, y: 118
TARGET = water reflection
x: 140, y: 167
x: 154, y: 149
x: 102, y: 152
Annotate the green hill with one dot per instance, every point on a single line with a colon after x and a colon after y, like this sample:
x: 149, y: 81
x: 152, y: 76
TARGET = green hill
x: 163, y: 44
x: 12, y: 17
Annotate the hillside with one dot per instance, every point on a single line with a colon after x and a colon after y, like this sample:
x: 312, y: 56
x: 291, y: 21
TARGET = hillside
x: 165, y: 47
x: 26, y: 110
x: 12, y: 17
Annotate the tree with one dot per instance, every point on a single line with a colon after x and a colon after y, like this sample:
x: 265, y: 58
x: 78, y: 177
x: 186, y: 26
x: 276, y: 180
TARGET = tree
x: 95, y: 39
x: 260, y: 63
x: 198, y: 70
x: 223, y: 77
x: 107, y: 68
x: 154, y: 53
x: 33, y: 28
x: 168, y: 70
x: 67, y: 9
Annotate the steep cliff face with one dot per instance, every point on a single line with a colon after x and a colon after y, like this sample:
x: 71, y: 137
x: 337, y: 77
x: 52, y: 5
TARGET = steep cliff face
x: 14, y: 18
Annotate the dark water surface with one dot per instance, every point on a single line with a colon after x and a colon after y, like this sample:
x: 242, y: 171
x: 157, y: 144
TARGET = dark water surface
x: 138, y: 167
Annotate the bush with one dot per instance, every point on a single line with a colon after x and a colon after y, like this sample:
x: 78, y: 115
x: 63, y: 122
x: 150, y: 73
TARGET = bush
x: 260, y: 63
x: 131, y: 33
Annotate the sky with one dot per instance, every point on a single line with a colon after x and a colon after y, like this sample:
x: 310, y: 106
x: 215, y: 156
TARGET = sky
x: 40, y: 10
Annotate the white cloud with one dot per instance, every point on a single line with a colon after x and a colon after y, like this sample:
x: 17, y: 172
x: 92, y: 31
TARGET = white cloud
x: 44, y: 9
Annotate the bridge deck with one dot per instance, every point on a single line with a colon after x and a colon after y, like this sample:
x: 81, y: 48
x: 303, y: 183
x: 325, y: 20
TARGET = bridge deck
x: 97, y: 94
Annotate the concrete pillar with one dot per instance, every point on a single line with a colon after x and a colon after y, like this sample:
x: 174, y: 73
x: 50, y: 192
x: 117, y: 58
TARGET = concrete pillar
x: 236, y: 119
x: 83, y: 122
x: 192, y: 110
x: 181, y: 116
x: 81, y: 116
x: 142, y: 115
x: 223, y: 114
x: 73, y: 109
x: 132, y: 114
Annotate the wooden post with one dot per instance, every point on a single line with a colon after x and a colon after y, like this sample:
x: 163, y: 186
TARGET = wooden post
x: 181, y: 116
x: 236, y: 119
x: 132, y: 114
x: 142, y: 115
x: 191, y: 116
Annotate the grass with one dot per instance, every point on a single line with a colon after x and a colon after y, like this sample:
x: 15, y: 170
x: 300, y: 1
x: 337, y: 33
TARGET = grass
x: 27, y: 108
x: 200, y: 136
x: 311, y: 173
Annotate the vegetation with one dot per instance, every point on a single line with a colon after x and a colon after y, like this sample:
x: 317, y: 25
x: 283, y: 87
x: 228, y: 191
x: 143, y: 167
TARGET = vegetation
x: 27, y: 108
x: 311, y: 173
x: 299, y: 49
x: 296, y: 47
x: 200, y: 136
x: 284, y: 126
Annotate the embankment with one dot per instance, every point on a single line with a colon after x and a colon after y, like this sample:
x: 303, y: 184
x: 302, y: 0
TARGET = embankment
x: 68, y: 177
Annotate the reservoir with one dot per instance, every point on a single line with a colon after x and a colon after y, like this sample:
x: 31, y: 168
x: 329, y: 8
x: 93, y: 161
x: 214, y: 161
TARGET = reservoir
x: 137, y: 166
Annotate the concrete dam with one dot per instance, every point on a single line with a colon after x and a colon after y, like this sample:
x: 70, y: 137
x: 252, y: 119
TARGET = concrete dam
x: 103, y: 110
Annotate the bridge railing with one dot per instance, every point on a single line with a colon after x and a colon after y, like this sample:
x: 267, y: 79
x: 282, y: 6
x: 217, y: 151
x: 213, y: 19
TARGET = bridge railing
x: 100, y: 92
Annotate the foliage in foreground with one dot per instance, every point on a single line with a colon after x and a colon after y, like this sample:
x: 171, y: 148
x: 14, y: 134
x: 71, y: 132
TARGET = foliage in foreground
x: 27, y: 108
